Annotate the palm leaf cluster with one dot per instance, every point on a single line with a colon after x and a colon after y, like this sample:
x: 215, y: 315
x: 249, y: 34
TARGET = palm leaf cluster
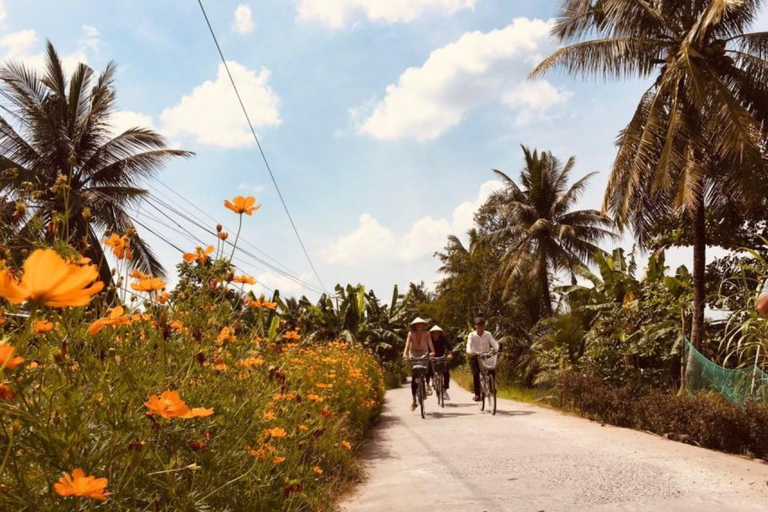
x: 61, y: 163
x: 542, y: 233
x: 697, y: 137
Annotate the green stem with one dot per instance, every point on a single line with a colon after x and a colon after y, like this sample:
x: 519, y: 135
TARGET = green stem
x: 237, y: 238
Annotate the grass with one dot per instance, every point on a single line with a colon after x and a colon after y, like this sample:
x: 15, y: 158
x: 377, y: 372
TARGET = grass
x: 508, y: 390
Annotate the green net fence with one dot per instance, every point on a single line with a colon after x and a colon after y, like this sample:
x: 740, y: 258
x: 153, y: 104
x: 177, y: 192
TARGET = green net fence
x: 737, y: 385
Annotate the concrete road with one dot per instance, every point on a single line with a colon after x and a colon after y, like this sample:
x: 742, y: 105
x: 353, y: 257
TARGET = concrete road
x: 532, y: 459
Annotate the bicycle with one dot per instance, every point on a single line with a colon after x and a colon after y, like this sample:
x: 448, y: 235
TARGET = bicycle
x: 439, y: 367
x: 487, y: 363
x: 419, y: 368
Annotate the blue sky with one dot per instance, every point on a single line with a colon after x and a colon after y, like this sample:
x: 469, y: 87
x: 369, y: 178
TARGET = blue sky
x: 381, y: 120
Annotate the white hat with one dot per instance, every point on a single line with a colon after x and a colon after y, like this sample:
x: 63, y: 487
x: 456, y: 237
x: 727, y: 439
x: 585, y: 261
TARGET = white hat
x: 436, y: 329
x: 419, y: 320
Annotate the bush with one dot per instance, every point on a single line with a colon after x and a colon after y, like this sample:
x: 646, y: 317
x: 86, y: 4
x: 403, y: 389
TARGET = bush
x: 706, y: 419
x: 261, y: 421
x: 395, y: 373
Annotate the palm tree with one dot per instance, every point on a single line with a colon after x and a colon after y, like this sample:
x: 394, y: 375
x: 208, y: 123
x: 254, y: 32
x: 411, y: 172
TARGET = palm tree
x: 696, y: 138
x: 62, y: 163
x: 543, y: 235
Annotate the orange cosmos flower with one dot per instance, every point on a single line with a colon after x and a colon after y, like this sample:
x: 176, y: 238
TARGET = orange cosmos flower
x: 200, y: 254
x: 197, y: 412
x: 149, y: 285
x: 42, y: 326
x: 50, y: 280
x: 120, y: 246
x: 6, y: 393
x: 223, y: 235
x: 177, y: 325
x: 81, y: 486
x: 242, y: 205
x: 276, y: 432
x: 6, y: 359
x: 269, y: 305
x: 138, y: 274
x: 163, y: 298
x: 303, y: 427
x: 244, y: 280
x: 114, y: 318
x: 317, y: 470
x: 278, y: 460
x: 168, y: 405
x: 292, y: 335
x: 347, y: 445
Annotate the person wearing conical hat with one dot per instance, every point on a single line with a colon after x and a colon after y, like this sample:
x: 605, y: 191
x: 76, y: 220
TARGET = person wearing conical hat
x: 418, y: 344
x: 440, y: 342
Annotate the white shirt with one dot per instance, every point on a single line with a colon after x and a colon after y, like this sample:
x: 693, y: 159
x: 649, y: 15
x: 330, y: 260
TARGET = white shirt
x: 477, y: 344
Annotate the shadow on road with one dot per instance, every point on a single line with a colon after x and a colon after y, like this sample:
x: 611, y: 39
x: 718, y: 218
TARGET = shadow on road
x: 514, y: 413
x: 447, y: 414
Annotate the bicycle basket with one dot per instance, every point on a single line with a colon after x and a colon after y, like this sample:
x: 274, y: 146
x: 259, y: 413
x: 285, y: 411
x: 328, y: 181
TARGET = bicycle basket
x: 419, y: 365
x: 488, y: 361
x: 440, y: 364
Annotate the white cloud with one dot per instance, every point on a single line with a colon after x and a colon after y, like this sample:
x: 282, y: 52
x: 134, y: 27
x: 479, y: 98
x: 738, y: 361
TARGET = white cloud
x: 282, y: 283
x: 243, y: 23
x: 212, y: 115
x: 17, y: 46
x: 426, y: 236
x: 479, y: 68
x: 248, y: 187
x: 123, y: 120
x: 336, y: 13
x: 371, y: 241
x: 532, y: 98
x: 368, y: 241
x: 91, y: 41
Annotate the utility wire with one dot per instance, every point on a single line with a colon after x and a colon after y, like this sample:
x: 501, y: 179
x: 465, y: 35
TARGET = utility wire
x: 152, y: 199
x: 258, y: 144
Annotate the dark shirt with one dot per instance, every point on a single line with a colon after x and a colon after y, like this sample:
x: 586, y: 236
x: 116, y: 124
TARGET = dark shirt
x: 441, y: 346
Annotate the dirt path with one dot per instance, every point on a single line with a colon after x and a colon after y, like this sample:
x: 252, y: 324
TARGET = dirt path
x: 531, y: 459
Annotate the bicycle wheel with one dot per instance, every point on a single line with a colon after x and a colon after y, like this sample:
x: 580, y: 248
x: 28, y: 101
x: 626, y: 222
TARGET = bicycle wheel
x: 439, y: 390
x: 483, y: 387
x: 492, y: 394
x: 422, y: 394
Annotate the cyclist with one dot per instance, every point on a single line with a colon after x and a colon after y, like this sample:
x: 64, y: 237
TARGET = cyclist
x: 440, y: 342
x: 479, y: 342
x: 418, y: 344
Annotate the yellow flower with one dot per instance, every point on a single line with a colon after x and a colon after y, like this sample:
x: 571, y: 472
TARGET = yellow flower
x: 200, y: 254
x: 149, y: 285
x: 42, y: 326
x: 242, y: 205
x: 244, y: 280
x: 292, y: 335
x: 303, y: 427
x: 81, y: 486
x: 168, y: 405
x: 276, y: 432
x: 120, y: 246
x: 114, y: 318
x: 50, y: 280
x: 197, y: 412
x: 6, y: 359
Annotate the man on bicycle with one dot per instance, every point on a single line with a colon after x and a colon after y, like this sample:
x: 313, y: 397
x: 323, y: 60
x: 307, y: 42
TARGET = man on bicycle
x: 479, y: 342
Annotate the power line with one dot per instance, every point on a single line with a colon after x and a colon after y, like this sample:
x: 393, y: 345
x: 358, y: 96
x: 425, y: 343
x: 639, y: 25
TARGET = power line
x: 258, y: 144
x: 152, y: 198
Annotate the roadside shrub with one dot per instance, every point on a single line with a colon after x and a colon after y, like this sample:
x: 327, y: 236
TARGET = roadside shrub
x: 395, y: 373
x: 706, y: 419
x: 189, y: 401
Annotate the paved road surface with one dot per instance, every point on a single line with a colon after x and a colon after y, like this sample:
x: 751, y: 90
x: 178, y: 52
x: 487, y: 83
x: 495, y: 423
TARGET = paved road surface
x: 531, y: 459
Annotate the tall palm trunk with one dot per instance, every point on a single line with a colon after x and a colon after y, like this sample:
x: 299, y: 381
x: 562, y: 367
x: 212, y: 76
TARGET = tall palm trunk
x: 699, y: 266
x: 546, y: 297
